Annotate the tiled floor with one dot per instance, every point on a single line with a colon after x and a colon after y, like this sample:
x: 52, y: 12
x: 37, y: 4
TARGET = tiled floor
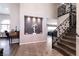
x: 33, y: 49
x: 38, y: 49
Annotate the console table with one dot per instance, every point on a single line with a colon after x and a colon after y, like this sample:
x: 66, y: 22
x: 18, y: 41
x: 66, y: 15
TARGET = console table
x: 14, y: 35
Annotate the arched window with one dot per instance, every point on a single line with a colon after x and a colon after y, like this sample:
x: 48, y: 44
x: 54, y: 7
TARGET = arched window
x: 5, y: 25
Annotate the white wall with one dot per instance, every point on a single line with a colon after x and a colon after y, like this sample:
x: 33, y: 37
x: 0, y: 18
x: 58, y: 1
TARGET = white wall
x: 52, y: 21
x: 77, y: 30
x: 39, y: 10
x: 14, y: 15
x: 3, y: 17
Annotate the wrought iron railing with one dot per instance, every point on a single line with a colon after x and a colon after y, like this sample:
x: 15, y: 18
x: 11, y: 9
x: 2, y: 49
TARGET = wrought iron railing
x: 63, y: 9
x: 66, y: 24
x: 61, y: 29
x: 66, y: 8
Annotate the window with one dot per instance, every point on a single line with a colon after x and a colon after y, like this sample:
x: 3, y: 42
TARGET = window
x: 5, y: 25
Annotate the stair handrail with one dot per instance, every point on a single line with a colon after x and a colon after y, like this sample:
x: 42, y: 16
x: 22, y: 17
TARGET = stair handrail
x: 64, y: 30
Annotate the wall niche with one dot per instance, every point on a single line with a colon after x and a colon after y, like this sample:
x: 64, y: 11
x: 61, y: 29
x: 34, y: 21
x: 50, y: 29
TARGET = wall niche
x: 32, y: 25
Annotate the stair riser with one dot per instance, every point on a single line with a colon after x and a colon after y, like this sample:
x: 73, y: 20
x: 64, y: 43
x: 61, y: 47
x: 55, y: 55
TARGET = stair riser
x: 69, y: 38
x: 71, y: 31
x: 68, y: 34
x: 67, y: 48
x: 61, y: 51
x: 69, y: 43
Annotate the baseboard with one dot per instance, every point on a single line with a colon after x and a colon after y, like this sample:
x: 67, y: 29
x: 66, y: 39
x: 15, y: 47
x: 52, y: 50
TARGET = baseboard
x: 32, y: 42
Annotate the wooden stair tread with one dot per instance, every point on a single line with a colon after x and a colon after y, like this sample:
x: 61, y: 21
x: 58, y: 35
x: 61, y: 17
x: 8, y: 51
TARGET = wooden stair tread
x: 65, y: 51
x: 67, y: 43
x: 70, y: 41
x: 68, y: 46
x: 71, y: 35
x: 68, y: 37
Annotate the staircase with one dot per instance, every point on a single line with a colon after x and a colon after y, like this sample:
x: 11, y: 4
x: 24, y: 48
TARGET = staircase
x: 67, y: 45
x: 65, y: 41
